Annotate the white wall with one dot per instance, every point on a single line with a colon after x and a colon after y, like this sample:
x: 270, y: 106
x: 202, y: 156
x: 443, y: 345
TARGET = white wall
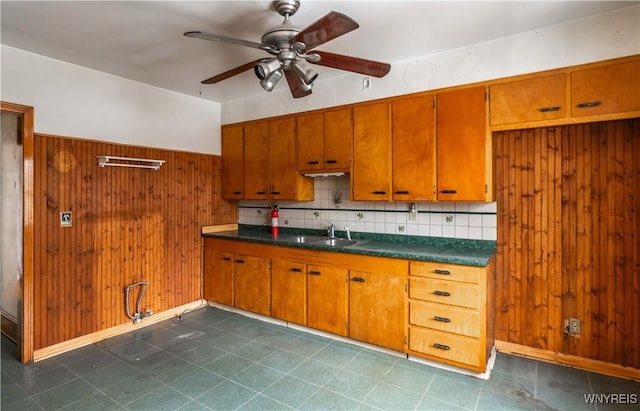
x: 602, y: 37
x: 74, y: 101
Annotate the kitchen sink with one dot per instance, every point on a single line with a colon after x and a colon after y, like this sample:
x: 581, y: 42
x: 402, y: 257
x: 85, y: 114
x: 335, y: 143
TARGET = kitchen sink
x: 305, y: 239
x: 337, y: 242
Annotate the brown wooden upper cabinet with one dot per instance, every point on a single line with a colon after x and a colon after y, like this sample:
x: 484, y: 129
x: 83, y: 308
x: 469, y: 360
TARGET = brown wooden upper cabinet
x: 284, y: 181
x: 463, y: 146
x: 534, y: 99
x: 413, y: 149
x: 324, y: 141
x: 606, y: 89
x: 256, y: 163
x: 371, y: 169
x: 233, y: 162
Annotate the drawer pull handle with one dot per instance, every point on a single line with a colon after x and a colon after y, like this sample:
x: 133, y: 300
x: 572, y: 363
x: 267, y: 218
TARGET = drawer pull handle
x: 442, y: 293
x: 442, y: 319
x: 449, y: 191
x: 237, y: 193
x: 443, y: 272
x: 379, y: 192
x: 261, y: 193
x: 296, y: 269
x: 275, y: 192
x: 331, y: 161
x: 589, y: 104
x: 313, y: 162
x: 226, y: 258
x: 240, y: 261
x: 312, y: 272
x: 402, y: 192
x: 548, y: 109
x: 441, y: 346
x: 358, y: 279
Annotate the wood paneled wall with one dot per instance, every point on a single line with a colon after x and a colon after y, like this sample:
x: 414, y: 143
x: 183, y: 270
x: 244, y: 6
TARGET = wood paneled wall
x: 569, y: 238
x: 128, y: 225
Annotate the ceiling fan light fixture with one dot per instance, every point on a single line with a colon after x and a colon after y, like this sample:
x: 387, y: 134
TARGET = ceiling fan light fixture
x: 269, y: 82
x: 307, y: 75
x: 265, y: 67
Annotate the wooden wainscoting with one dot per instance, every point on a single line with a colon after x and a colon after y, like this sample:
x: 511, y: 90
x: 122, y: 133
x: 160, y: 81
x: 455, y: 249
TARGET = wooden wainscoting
x: 128, y: 225
x: 569, y: 239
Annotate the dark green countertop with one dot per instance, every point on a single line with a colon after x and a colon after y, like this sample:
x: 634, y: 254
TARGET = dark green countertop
x: 437, y: 249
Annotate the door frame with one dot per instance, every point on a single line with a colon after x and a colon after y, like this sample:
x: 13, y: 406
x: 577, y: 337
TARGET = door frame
x: 25, y: 317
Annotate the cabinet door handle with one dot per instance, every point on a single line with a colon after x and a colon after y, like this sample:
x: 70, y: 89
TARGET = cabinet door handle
x: 379, y: 192
x: 275, y: 192
x: 449, y: 191
x: 442, y: 319
x: 589, y: 104
x: 312, y: 272
x: 548, y: 109
x: 442, y: 293
x: 261, y: 193
x: 237, y: 193
x: 358, y: 279
x: 442, y: 272
x: 296, y: 269
x: 313, y: 162
x: 402, y: 192
x: 240, y: 261
x: 331, y: 161
x: 226, y: 258
x: 441, y: 346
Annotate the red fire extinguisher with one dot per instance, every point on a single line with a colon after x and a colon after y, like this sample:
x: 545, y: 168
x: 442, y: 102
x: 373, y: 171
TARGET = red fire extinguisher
x: 274, y: 220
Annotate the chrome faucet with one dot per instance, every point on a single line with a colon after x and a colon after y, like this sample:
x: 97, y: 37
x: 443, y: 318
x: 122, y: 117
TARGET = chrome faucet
x: 331, y: 231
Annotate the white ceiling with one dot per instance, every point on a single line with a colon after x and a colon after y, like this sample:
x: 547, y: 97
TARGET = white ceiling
x: 143, y: 41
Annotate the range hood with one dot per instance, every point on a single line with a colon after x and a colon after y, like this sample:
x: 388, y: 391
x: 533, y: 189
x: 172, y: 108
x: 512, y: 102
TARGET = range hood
x: 338, y: 174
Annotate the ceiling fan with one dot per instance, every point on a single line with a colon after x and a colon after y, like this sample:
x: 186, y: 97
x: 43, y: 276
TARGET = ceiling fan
x: 291, y: 48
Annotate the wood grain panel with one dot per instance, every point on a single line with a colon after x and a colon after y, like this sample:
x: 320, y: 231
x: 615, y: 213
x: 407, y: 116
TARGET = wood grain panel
x: 568, y: 229
x: 129, y: 225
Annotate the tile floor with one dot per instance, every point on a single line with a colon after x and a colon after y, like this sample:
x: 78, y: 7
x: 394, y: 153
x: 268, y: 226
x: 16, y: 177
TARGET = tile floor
x: 213, y: 359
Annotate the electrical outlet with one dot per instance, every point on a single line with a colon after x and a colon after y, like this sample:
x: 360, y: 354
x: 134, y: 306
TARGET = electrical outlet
x: 574, y: 326
x: 413, y: 212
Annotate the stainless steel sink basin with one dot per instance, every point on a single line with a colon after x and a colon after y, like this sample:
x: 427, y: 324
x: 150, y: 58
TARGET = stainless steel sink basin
x: 337, y: 242
x: 305, y: 239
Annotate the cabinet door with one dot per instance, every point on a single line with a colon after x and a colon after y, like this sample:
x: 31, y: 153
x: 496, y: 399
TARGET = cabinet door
x: 289, y: 291
x: 309, y: 138
x: 252, y: 283
x: 285, y: 183
x: 376, y: 309
x: 414, y: 149
x: 535, y: 99
x: 371, y: 171
x: 338, y: 134
x: 604, y: 90
x: 256, y: 170
x: 327, y: 298
x: 218, y: 275
x: 463, y: 145
x: 232, y: 163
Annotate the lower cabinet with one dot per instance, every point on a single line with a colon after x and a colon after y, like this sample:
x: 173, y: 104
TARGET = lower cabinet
x: 252, y: 284
x: 327, y: 298
x: 376, y: 308
x: 448, y: 316
x: 218, y: 275
x: 289, y: 291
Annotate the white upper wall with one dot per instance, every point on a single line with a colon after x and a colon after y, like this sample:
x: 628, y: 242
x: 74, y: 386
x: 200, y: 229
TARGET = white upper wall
x: 602, y: 37
x: 74, y: 101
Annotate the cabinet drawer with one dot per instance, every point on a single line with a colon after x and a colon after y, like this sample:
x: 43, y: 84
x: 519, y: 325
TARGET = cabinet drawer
x: 444, y: 318
x: 441, y: 271
x: 446, y: 292
x: 447, y: 346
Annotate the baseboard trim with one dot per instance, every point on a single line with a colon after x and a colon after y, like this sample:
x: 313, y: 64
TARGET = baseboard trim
x: 74, y: 343
x: 587, y: 364
x: 9, y: 325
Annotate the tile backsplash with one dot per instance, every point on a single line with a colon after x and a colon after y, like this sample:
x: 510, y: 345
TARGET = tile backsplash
x: 475, y: 221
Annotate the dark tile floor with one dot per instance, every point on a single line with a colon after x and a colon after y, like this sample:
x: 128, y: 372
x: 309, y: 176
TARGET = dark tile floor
x: 213, y: 359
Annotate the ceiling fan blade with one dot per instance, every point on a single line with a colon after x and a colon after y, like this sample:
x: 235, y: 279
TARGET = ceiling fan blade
x: 294, y: 85
x: 354, y: 64
x: 231, y: 73
x: 216, y: 37
x: 327, y: 28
